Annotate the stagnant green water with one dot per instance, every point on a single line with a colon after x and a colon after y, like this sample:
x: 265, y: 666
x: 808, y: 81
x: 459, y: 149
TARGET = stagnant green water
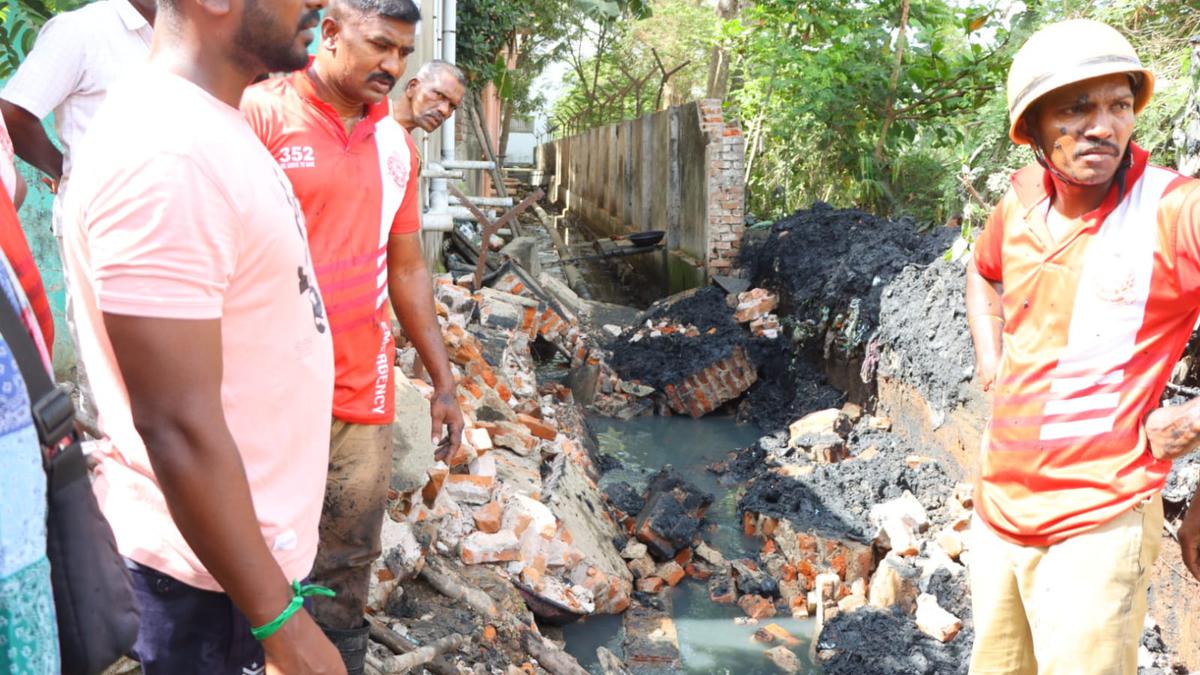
x: 709, y: 639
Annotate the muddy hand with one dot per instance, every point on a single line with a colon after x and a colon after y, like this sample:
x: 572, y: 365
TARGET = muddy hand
x: 1174, y: 431
x: 1189, y: 538
x: 444, y: 412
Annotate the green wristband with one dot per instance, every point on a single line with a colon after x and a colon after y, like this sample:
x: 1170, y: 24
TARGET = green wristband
x: 299, y: 593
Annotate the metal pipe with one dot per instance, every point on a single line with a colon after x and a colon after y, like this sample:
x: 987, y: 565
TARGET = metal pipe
x: 472, y: 164
x: 437, y: 222
x: 434, y: 174
x: 484, y: 201
x: 462, y: 213
x: 439, y: 196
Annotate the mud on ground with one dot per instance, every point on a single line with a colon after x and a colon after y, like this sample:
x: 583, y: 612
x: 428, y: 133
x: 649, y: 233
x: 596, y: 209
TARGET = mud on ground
x: 923, y: 338
x: 666, y: 359
x: 820, y: 259
x: 885, y: 642
x: 834, y: 499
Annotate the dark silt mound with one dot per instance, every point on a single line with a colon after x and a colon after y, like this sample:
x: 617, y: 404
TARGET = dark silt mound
x: 822, y: 258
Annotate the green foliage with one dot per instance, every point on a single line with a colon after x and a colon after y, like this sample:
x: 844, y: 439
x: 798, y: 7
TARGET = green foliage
x: 824, y: 118
x: 815, y: 97
x: 619, y: 66
x: 509, y: 42
x: 20, y: 21
x: 858, y: 104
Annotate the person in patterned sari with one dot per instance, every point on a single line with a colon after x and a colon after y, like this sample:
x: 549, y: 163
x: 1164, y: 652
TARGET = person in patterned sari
x: 28, y: 630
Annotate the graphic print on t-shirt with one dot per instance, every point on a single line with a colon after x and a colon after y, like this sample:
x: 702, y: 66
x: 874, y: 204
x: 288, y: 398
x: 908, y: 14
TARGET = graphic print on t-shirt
x: 304, y: 272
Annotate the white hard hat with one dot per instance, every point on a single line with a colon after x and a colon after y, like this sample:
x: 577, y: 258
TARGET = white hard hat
x: 1067, y: 52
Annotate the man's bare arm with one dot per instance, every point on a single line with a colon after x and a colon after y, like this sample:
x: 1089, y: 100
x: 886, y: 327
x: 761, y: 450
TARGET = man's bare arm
x: 30, y: 140
x: 176, y: 406
x: 985, y: 319
x: 1189, y: 537
x: 411, y: 292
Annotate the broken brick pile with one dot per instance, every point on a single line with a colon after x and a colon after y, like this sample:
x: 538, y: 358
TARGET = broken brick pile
x: 708, y: 389
x: 890, y: 562
x: 663, y: 526
x: 556, y: 324
x: 755, y: 308
x: 694, y: 350
x: 499, y: 500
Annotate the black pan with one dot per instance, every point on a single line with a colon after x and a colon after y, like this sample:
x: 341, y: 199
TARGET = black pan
x: 648, y: 238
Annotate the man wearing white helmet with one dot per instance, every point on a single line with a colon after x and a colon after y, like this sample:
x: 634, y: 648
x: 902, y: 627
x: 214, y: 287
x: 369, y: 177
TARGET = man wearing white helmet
x: 1081, y: 295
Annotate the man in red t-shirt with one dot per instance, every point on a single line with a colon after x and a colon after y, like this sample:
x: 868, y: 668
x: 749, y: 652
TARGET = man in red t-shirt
x: 354, y: 170
x: 1082, y: 292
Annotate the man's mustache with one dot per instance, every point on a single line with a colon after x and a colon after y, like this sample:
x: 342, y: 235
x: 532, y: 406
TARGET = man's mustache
x: 1096, y: 145
x: 382, y: 77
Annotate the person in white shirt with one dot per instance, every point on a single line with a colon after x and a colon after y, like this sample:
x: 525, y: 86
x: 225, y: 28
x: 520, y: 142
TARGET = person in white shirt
x: 12, y: 181
x: 76, y: 57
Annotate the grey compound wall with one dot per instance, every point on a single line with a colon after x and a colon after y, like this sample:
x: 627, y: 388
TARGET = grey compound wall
x: 679, y: 170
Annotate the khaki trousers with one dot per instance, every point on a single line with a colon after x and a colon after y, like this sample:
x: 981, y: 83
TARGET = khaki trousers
x: 1073, y: 608
x: 360, y: 465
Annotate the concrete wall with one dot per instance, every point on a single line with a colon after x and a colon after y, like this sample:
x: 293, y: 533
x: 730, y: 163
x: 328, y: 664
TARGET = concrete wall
x: 678, y: 170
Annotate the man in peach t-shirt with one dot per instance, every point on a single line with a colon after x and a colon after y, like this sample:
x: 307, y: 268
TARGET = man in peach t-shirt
x: 205, y: 336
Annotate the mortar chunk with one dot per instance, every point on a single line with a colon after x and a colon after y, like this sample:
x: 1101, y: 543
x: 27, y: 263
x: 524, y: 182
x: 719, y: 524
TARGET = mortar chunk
x: 709, y: 554
x: 899, y: 520
x: 633, y: 550
x: 895, y: 584
x: 831, y: 421
x: 935, y: 621
x: 784, y: 659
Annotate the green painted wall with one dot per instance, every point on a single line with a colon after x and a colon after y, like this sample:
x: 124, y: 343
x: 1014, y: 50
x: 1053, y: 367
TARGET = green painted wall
x: 35, y: 216
x: 35, y: 219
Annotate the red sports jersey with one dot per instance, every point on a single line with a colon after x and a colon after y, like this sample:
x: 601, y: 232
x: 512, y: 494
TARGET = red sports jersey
x: 356, y: 191
x: 16, y: 249
x: 1094, y: 324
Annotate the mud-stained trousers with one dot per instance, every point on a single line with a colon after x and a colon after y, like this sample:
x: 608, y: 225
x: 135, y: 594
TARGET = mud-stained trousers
x: 1073, y: 608
x: 360, y: 465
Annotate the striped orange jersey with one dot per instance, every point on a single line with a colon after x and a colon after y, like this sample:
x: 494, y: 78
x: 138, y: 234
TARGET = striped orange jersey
x: 1094, y: 324
x: 356, y: 191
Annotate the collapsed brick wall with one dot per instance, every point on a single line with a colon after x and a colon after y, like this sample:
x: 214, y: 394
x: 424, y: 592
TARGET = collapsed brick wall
x: 706, y: 390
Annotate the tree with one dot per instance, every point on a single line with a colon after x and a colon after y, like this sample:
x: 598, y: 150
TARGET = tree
x: 621, y: 69
x: 507, y: 43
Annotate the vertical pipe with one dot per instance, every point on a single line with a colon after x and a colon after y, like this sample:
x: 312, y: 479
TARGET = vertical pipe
x: 439, y: 196
x: 449, y: 53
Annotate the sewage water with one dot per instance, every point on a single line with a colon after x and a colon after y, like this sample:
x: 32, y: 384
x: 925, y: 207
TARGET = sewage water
x: 710, y: 641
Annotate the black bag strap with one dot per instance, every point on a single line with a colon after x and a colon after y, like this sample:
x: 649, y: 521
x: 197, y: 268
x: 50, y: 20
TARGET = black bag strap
x: 53, y: 411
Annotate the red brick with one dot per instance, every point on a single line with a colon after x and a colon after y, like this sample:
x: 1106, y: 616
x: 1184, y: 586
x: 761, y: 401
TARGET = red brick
x: 749, y: 524
x: 480, y: 547
x: 650, y: 585
x: 672, y: 573
x: 487, y: 518
x: 437, y: 477
x: 537, y: 427
x: 756, y: 606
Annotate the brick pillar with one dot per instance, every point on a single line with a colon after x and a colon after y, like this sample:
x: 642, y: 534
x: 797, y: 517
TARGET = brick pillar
x: 725, y: 157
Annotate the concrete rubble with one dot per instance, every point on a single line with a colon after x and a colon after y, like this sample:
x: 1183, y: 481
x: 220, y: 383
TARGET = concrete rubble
x: 512, y: 526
